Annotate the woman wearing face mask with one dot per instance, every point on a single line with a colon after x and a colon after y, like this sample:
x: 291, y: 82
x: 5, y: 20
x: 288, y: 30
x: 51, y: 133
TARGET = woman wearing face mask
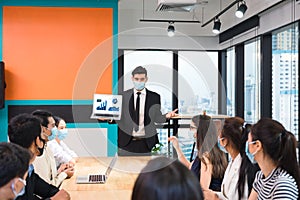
x: 274, y: 149
x: 62, y: 153
x: 210, y: 164
x: 240, y: 172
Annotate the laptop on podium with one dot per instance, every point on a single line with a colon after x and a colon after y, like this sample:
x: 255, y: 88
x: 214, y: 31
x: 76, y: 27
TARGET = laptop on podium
x: 97, y: 178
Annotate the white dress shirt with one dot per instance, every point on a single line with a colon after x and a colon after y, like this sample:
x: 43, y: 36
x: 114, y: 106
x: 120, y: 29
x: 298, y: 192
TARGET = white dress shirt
x: 45, y: 167
x: 141, y: 131
x: 229, y: 187
x: 62, y: 153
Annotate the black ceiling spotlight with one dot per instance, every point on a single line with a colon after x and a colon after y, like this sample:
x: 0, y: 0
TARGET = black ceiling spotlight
x: 242, y: 7
x: 171, y: 29
x: 217, y: 26
x: 239, y: 13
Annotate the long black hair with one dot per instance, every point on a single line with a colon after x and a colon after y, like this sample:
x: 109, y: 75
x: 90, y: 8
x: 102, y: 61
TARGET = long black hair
x: 163, y: 178
x: 247, y: 169
x: 237, y: 134
x: 279, y: 144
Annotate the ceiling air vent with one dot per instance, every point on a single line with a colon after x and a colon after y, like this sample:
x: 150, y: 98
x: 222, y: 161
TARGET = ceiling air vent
x: 176, y: 5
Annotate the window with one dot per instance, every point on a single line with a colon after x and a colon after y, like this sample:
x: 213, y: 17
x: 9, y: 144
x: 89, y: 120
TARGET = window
x: 252, y: 81
x: 285, y: 106
x: 197, y: 82
x: 159, y: 65
x: 230, y: 83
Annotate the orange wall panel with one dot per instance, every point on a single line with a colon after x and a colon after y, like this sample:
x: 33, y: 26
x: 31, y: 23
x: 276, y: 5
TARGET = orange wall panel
x: 48, y: 50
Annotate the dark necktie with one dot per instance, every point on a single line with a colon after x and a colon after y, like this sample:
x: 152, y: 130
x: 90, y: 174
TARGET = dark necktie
x: 137, y: 112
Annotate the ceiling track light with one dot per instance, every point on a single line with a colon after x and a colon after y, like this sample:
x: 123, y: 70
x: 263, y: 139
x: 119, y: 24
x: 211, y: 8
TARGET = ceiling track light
x: 241, y: 11
x: 171, y: 29
x: 217, y: 26
x: 242, y: 7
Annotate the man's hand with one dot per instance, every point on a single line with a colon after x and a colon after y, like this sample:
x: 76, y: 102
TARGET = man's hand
x: 62, y: 167
x: 172, y: 114
x: 69, y: 171
x: 105, y: 120
x: 61, y: 195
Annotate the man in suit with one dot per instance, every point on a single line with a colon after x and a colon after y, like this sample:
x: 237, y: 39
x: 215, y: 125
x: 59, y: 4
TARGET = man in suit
x: 140, y: 110
x: 26, y: 131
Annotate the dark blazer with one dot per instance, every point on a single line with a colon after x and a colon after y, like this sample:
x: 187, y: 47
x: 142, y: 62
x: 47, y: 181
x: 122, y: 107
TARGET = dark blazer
x: 152, y: 114
x: 37, y: 186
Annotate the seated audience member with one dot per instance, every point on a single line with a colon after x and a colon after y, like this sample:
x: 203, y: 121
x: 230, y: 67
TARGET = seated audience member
x: 211, y: 162
x: 165, y: 179
x: 14, y: 163
x: 45, y: 165
x: 26, y: 131
x: 62, y: 153
x: 274, y: 149
x: 240, y: 172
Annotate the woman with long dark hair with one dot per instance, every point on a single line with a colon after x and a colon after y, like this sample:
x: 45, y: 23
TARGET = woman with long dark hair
x: 274, y: 149
x: 239, y: 173
x: 210, y: 164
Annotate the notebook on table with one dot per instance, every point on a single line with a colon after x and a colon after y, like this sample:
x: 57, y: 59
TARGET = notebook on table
x: 97, y: 178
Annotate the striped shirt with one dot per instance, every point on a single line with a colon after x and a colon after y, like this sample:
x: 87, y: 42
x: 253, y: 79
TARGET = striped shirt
x: 278, y: 185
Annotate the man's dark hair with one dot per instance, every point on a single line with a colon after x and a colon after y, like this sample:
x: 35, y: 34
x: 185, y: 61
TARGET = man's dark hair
x: 14, y: 162
x: 43, y: 115
x: 139, y: 70
x: 23, y: 129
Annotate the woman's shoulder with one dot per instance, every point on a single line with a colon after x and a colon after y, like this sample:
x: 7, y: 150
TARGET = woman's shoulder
x: 283, y: 177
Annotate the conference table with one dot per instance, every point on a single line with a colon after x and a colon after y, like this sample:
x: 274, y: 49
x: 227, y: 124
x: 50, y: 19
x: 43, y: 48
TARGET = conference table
x: 120, y: 181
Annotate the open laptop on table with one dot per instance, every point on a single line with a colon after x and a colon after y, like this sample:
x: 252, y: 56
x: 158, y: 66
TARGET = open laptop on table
x: 97, y: 178
x: 107, y: 106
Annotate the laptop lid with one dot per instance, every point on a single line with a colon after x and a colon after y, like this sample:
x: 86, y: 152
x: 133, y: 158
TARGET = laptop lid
x: 111, y: 165
x: 107, y: 106
x: 97, y: 178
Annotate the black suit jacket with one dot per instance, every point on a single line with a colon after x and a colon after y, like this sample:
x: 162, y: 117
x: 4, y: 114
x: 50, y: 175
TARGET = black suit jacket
x: 37, y: 186
x: 152, y: 114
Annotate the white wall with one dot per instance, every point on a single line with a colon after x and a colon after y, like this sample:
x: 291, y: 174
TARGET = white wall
x: 88, y: 142
x: 164, y: 42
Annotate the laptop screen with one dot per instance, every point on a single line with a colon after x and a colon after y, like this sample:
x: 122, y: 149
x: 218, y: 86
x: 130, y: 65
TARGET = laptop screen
x: 107, y: 106
x: 111, y: 165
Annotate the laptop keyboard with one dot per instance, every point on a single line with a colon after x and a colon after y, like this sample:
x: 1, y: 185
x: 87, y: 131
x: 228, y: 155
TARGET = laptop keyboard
x: 96, y: 178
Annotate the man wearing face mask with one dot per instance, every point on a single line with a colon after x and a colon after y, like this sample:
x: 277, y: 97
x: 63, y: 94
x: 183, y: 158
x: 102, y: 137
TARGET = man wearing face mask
x: 45, y: 165
x: 26, y: 131
x: 137, y: 133
x: 14, y: 162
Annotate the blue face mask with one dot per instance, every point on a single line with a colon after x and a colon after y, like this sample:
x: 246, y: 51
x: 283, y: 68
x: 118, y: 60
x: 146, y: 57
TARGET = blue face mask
x: 22, y: 190
x: 62, y: 134
x: 139, y: 85
x: 53, y: 135
x: 250, y: 155
x: 220, y: 146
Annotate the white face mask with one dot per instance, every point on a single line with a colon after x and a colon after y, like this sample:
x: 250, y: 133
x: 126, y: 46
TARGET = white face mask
x: 22, y: 191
